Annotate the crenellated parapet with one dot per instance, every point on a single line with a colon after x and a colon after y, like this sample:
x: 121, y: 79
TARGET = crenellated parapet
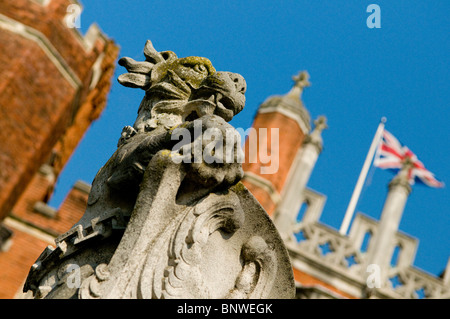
x: 343, y: 261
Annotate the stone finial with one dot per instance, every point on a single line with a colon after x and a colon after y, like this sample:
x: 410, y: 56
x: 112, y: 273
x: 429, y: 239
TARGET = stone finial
x: 301, y: 81
x: 321, y: 124
x: 315, y: 137
x: 290, y: 103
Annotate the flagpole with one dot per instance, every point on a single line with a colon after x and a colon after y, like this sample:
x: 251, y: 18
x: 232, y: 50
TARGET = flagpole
x: 361, y: 179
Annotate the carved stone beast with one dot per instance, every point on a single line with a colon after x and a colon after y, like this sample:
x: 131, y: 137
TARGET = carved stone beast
x: 157, y: 226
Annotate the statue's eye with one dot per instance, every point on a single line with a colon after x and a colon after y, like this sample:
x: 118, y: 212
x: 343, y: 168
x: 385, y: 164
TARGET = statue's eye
x: 200, y: 68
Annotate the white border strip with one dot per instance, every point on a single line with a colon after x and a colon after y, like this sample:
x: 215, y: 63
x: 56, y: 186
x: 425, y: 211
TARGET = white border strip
x: 30, y: 230
x: 36, y: 36
x: 287, y: 113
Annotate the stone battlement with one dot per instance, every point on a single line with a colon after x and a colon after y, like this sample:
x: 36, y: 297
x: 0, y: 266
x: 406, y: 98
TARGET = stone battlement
x: 342, y: 261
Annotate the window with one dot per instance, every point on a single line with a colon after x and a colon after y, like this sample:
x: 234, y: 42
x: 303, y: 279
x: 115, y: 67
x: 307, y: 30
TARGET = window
x: 5, y: 238
x: 396, y: 255
x: 366, y: 241
x: 302, y: 211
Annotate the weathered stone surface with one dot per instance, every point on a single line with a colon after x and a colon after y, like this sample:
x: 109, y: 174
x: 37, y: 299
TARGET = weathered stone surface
x: 162, y: 222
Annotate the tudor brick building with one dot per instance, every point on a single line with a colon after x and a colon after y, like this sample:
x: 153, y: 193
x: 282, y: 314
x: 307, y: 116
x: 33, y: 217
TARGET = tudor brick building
x: 55, y: 82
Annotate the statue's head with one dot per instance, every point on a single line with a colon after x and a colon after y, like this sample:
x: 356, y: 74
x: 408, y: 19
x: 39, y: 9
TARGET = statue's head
x: 181, y: 89
x: 225, y: 91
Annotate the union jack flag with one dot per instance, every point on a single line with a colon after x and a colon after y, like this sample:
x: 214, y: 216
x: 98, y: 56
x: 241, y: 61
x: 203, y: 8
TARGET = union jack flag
x: 391, y: 155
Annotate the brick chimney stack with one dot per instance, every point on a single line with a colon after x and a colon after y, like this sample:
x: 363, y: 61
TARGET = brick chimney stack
x: 287, y: 115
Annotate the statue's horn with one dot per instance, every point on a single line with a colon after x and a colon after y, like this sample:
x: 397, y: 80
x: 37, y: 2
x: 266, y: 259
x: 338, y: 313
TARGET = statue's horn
x: 151, y: 54
x: 135, y: 80
x: 133, y: 66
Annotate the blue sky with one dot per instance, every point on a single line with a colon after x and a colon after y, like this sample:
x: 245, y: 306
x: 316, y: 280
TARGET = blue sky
x: 400, y: 71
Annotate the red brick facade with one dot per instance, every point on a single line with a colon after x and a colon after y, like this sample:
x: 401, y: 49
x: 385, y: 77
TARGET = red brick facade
x: 46, y: 76
x: 15, y: 263
x: 290, y: 139
x: 27, y: 222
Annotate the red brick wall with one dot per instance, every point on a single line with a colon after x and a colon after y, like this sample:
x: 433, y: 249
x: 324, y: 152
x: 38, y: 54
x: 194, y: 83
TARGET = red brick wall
x: 26, y: 247
x: 37, y: 102
x: 32, y: 113
x: 290, y: 139
x: 49, y: 20
x: 90, y: 109
x: 16, y: 262
x: 68, y: 214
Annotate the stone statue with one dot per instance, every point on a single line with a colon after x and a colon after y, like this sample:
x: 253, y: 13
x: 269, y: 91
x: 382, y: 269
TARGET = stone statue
x: 163, y: 221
